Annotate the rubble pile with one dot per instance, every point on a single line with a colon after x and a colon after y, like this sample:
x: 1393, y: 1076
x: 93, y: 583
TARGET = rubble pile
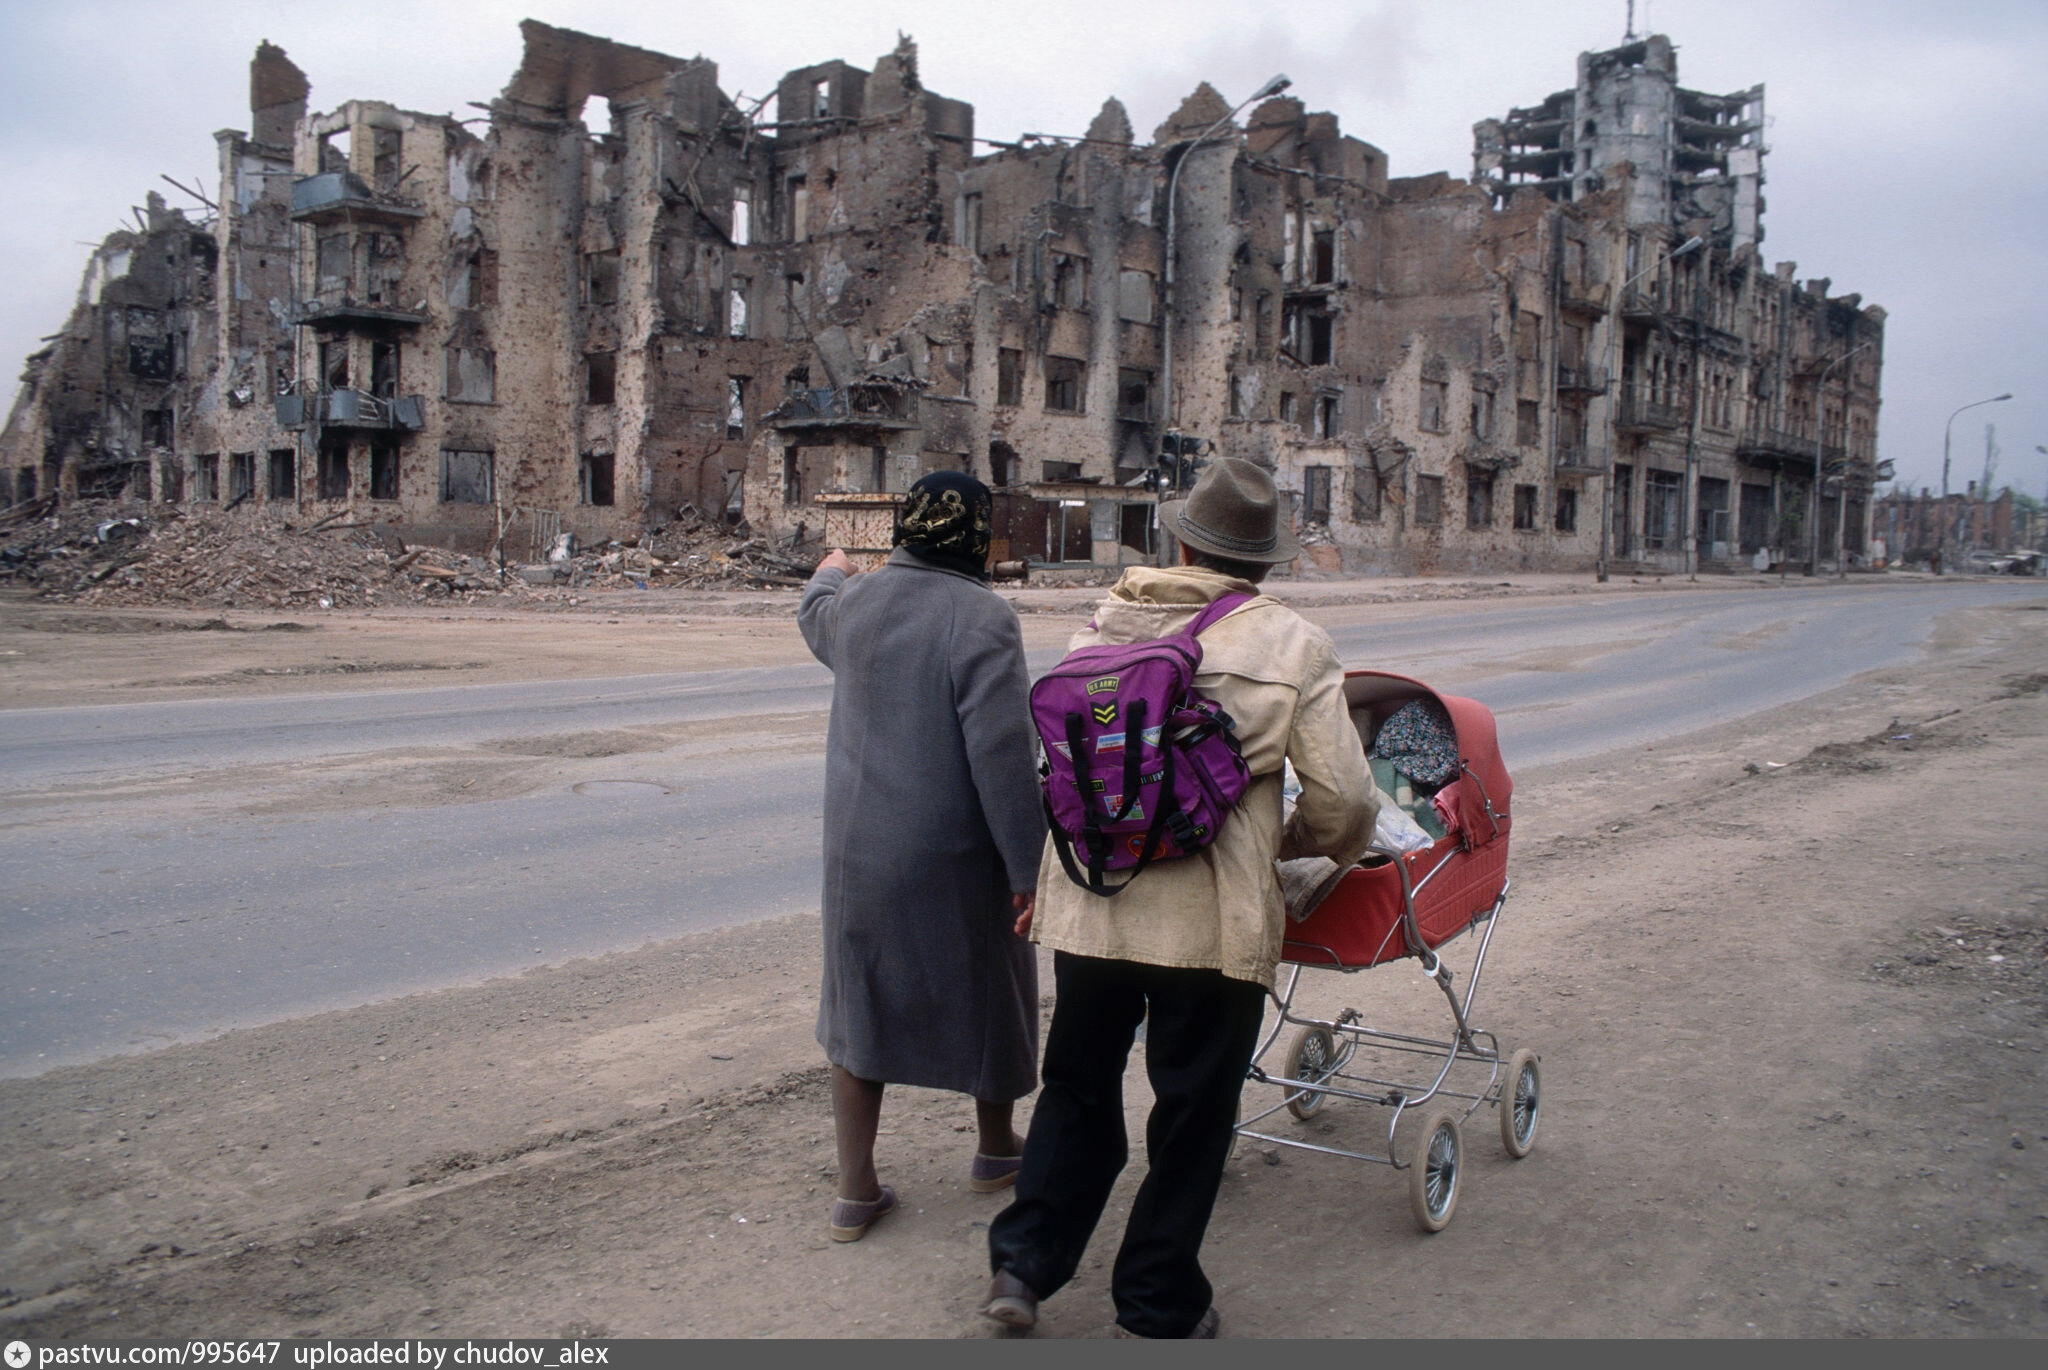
x: 100, y: 552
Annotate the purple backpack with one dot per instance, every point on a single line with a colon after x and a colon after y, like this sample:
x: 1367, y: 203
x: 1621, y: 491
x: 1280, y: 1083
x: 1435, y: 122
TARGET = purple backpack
x: 1139, y: 766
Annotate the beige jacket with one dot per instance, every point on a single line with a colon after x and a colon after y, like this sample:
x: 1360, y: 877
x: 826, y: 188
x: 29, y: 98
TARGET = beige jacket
x: 1278, y: 676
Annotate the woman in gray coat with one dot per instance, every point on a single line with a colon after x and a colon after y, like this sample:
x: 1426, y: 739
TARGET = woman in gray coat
x: 933, y: 829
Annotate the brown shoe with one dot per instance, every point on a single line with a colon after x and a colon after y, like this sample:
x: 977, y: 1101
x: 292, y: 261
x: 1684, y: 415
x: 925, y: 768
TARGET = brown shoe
x: 1010, y: 1302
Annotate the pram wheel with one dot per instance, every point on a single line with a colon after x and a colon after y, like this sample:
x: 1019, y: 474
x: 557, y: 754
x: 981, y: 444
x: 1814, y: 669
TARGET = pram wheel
x: 1311, y: 1056
x: 1520, y: 1100
x: 1433, y: 1171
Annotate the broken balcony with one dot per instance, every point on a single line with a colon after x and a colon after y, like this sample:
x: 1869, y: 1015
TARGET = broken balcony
x: 1785, y: 450
x: 1638, y: 415
x: 348, y: 408
x: 873, y: 404
x: 1588, y: 380
x: 339, y: 196
x: 343, y: 310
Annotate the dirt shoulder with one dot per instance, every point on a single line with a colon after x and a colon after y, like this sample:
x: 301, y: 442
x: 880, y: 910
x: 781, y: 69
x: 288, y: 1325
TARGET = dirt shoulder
x: 1788, y: 982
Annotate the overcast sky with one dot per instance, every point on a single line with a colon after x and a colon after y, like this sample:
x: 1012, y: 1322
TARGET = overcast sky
x: 1904, y: 142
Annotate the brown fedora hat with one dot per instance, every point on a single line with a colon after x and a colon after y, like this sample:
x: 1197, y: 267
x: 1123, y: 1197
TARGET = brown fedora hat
x: 1234, y: 512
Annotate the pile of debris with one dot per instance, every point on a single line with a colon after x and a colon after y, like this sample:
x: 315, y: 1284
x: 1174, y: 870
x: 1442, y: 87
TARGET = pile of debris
x: 100, y: 552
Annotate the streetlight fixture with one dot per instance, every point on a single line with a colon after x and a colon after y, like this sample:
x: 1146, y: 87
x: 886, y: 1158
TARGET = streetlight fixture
x: 1272, y: 87
x: 1692, y: 244
x: 1948, y: 524
x: 1820, y: 423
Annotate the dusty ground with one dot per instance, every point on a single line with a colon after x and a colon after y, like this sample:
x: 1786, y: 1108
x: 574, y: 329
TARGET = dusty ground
x: 1792, y: 1026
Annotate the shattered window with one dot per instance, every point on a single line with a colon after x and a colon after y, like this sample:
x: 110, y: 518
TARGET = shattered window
x: 332, y: 261
x: 1069, y: 284
x: 156, y: 428
x: 170, y: 472
x: 1482, y: 413
x: 206, y: 478
x: 1134, y: 394
x: 241, y: 475
x: 1288, y: 410
x: 1327, y: 411
x: 1566, y: 519
x: 465, y: 477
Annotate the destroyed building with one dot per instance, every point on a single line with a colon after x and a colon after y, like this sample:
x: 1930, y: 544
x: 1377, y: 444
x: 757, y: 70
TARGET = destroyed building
x: 622, y: 291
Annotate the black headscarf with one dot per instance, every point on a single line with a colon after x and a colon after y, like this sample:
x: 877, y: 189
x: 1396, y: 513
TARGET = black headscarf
x: 946, y: 522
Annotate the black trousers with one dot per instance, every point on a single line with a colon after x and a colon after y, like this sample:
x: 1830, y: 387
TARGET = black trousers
x: 1203, y: 1028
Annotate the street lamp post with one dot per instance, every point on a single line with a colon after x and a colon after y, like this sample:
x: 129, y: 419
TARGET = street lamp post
x: 1692, y: 244
x: 1271, y: 88
x: 1947, y: 523
x: 1820, y: 424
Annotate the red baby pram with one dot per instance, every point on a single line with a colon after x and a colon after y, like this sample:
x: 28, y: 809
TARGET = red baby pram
x: 1392, y: 907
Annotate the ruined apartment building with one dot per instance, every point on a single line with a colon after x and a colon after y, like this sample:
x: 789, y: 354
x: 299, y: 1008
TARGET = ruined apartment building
x: 623, y: 292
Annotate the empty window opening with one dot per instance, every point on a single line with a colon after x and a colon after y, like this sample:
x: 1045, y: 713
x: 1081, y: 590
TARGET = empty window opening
x: 792, y: 478
x: 383, y: 468
x: 156, y: 428
x: 742, y: 215
x: 1663, y: 492
x: 601, y: 278
x: 1069, y: 281
x: 1063, y: 384
x: 333, y: 473
x: 384, y: 370
x: 878, y: 469
x: 206, y: 478
x: 1323, y: 264
x: 171, y: 475
x: 241, y: 476
x: 1525, y: 508
x: 1482, y: 414
x: 466, y: 477
x: 821, y: 99
x: 386, y: 146
x: 1429, y: 501
x: 799, y: 210
x: 1566, y: 517
x: 1327, y: 417
x: 1315, y: 495
x: 1134, y: 394
x: 1528, y: 423
x: 600, y: 377
x: 474, y: 283
x: 735, y: 408
x: 594, y: 477
x: 470, y: 375
x: 1435, y: 406
x: 1365, y: 495
x: 334, y: 364
x: 1009, y: 376
x: 970, y: 223
x: 1288, y: 411
x: 736, y: 307
x: 1237, y: 399
x: 1003, y: 466
x: 1478, y: 498
x: 284, y: 474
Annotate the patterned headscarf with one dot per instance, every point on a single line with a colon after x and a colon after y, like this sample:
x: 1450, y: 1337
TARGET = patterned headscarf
x: 946, y: 522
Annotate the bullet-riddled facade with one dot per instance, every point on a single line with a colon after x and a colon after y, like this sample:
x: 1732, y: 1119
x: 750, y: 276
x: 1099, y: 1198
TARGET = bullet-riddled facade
x: 621, y: 293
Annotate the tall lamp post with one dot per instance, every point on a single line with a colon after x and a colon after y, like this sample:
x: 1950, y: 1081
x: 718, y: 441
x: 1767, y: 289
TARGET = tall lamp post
x: 1820, y: 423
x: 1690, y: 245
x: 1947, y: 523
x: 1272, y: 87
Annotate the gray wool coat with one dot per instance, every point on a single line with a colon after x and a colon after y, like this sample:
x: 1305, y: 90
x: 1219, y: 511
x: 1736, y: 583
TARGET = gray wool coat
x: 932, y: 821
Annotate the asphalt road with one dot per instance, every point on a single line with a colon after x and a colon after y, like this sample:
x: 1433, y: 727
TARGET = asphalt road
x: 123, y: 928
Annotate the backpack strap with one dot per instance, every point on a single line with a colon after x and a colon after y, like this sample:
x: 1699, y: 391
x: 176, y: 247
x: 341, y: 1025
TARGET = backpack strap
x: 1098, y: 846
x: 1213, y: 611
